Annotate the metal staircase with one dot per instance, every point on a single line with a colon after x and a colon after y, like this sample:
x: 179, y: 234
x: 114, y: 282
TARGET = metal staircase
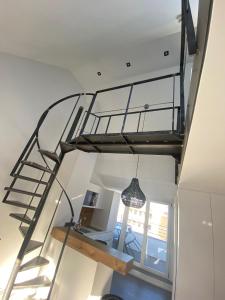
x: 33, y: 201
x: 82, y: 132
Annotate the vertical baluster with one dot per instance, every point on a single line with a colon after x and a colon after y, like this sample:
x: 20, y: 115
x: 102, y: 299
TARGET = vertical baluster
x: 108, y: 124
x: 88, y: 113
x: 139, y: 119
x: 67, y: 123
x: 173, y: 112
x: 128, y: 103
x: 96, y: 129
x: 75, y: 123
x: 93, y: 124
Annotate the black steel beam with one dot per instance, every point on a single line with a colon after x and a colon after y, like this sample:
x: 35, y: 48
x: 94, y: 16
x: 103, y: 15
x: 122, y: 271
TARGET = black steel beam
x: 189, y: 25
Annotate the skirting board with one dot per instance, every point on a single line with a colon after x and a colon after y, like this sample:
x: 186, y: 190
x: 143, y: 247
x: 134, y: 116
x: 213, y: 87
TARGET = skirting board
x: 152, y: 280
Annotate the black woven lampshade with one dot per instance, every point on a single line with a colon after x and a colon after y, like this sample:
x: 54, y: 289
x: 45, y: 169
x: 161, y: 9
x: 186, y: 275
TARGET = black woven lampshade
x: 133, y: 196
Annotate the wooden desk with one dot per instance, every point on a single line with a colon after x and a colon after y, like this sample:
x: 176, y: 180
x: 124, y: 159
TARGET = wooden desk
x: 108, y: 256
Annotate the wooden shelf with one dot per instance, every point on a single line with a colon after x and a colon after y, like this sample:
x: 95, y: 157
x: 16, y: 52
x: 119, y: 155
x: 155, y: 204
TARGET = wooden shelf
x: 108, y: 256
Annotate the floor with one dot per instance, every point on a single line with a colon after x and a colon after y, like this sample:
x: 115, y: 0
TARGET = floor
x: 131, y: 288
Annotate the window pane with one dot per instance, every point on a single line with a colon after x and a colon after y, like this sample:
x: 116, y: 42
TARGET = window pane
x: 118, y: 227
x: 135, y: 232
x: 157, y: 233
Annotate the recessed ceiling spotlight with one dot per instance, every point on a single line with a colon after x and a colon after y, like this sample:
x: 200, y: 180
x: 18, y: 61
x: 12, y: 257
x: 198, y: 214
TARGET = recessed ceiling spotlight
x: 166, y: 53
x: 128, y: 64
x: 99, y: 73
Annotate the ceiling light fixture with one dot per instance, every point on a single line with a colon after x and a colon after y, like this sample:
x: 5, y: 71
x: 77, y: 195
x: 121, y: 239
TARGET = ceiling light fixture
x: 133, y: 196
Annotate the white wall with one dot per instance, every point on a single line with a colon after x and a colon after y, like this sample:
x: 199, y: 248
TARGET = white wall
x: 194, y: 278
x: 201, y: 192
x: 27, y: 88
x: 156, y: 174
x: 200, y: 261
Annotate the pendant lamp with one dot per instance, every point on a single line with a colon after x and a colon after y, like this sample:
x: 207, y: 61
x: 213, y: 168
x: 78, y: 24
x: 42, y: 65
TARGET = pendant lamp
x: 133, y: 196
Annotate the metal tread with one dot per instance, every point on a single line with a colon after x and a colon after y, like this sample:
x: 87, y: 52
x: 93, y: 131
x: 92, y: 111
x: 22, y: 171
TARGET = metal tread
x: 52, y: 155
x: 30, y: 179
x: 34, y: 263
x: 67, y: 147
x: 21, y: 217
x: 41, y: 281
x: 11, y: 189
x: 36, y: 166
x: 33, y: 245
x: 23, y: 230
x: 20, y: 204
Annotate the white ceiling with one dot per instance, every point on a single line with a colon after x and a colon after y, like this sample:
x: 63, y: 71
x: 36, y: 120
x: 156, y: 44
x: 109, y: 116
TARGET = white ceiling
x: 88, y: 36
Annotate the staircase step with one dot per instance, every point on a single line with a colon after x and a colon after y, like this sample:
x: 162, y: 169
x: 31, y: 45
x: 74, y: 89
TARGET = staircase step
x: 30, y: 179
x: 52, y: 155
x: 41, y: 281
x: 34, y: 263
x: 19, y: 204
x: 66, y: 147
x: 36, y: 166
x: 21, y: 217
x: 33, y: 245
x: 10, y: 189
x: 23, y: 230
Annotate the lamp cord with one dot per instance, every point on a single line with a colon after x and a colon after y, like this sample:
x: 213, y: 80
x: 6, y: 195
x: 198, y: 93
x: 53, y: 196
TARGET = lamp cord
x: 138, y: 154
x: 137, y: 166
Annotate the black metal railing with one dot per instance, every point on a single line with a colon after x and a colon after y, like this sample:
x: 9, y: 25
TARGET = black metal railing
x: 98, y: 119
x: 94, y: 120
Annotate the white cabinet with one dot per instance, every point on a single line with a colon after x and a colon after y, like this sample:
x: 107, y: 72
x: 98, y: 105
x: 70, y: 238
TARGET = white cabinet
x: 218, y: 209
x: 97, y: 189
x: 194, y: 277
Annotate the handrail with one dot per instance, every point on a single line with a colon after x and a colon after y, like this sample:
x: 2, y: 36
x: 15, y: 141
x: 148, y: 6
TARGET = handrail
x: 138, y: 82
x: 35, y: 136
x: 40, y: 122
x: 133, y: 107
x: 43, y: 116
x: 138, y: 111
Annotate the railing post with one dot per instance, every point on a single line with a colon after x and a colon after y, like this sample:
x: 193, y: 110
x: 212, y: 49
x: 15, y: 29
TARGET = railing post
x: 75, y: 123
x: 182, y: 51
x: 96, y: 129
x: 139, y: 119
x: 178, y: 120
x: 128, y: 103
x: 107, y: 127
x: 88, y: 113
x: 93, y: 124
x: 189, y: 25
x: 173, y: 113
